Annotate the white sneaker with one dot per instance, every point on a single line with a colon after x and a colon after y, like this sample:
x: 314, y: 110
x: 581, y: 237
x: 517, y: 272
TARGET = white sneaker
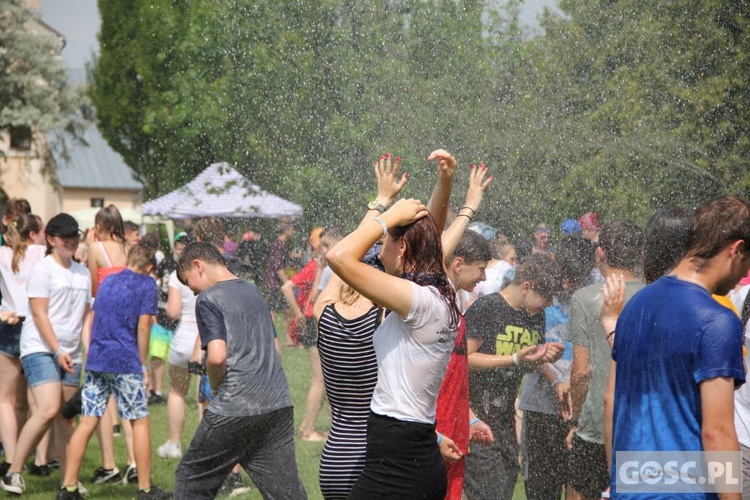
x: 169, y: 450
x: 13, y: 483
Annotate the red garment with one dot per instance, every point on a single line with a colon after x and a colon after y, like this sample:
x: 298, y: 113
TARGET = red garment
x: 304, y: 280
x: 453, y: 410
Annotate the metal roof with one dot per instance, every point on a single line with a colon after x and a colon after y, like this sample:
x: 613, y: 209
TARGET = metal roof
x: 93, y: 164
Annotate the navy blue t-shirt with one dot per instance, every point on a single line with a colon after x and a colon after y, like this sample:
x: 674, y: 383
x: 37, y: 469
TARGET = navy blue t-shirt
x: 671, y: 336
x: 121, y: 300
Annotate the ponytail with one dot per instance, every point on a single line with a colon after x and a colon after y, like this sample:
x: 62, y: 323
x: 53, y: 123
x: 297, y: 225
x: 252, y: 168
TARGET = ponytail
x: 18, y: 235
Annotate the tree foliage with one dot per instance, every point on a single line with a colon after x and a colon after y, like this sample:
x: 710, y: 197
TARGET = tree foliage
x: 34, y: 91
x: 622, y: 106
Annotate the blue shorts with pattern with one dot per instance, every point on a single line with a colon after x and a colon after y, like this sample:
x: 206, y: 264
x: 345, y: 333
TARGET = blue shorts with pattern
x: 129, y: 390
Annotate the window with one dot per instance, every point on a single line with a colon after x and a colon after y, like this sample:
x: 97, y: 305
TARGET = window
x: 20, y: 138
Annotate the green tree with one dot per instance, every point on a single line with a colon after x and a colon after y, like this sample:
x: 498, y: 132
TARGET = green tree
x: 34, y: 91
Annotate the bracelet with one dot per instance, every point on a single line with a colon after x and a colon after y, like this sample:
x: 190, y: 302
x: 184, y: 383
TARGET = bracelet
x: 514, y: 357
x: 610, y: 334
x: 473, y: 421
x: 464, y: 215
x: 558, y: 380
x: 144, y: 368
x: 382, y: 223
x: 472, y: 210
x: 57, y: 354
x: 439, y: 438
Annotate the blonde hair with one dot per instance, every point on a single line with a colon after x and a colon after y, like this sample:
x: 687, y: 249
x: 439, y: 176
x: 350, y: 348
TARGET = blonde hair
x: 18, y: 234
x: 348, y: 295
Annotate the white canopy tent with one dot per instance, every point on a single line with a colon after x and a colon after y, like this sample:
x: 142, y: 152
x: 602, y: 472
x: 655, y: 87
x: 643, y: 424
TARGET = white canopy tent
x: 221, y: 191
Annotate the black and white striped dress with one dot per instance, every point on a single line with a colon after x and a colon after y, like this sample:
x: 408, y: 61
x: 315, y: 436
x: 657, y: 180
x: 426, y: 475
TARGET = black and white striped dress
x: 350, y: 371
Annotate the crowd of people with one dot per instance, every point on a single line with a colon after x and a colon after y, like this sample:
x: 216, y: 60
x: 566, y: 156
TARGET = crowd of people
x: 452, y: 359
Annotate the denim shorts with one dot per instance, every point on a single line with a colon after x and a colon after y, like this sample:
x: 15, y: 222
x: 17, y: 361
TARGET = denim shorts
x: 129, y: 391
x: 42, y: 368
x: 10, y: 339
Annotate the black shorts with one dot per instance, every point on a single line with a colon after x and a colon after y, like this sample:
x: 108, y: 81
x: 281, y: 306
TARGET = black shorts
x: 588, y: 471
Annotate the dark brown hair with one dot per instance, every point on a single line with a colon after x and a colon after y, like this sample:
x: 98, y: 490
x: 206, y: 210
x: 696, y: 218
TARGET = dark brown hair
x: 542, y: 273
x: 110, y: 220
x: 716, y: 224
x: 622, y: 242
x: 422, y: 262
x: 209, y: 230
x: 141, y: 256
x: 14, y: 207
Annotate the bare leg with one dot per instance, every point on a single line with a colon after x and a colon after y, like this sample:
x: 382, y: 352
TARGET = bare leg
x: 79, y: 441
x: 48, y: 398
x: 179, y: 378
x: 105, y: 434
x: 315, y: 396
x: 156, y: 377
x: 10, y: 380
x: 127, y: 430
x: 63, y: 429
x: 41, y: 456
x: 142, y: 448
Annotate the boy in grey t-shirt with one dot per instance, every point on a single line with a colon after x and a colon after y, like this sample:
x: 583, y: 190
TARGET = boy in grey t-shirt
x: 250, y: 419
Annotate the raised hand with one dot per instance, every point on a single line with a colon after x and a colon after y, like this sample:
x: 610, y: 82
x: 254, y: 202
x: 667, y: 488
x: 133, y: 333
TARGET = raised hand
x: 477, y: 185
x: 389, y: 185
x: 446, y: 163
x: 404, y: 212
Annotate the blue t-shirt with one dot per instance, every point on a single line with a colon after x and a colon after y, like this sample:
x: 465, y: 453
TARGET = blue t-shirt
x: 121, y: 300
x: 671, y: 336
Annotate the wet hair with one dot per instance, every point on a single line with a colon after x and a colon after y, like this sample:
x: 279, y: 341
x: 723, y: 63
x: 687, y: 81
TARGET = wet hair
x: 622, y: 242
x: 472, y: 247
x: 141, y: 256
x: 665, y: 241
x: 422, y: 261
x: 717, y: 223
x: 542, y: 273
x: 14, y: 208
x: 576, y: 257
x: 18, y: 234
x: 209, y: 230
x: 110, y: 220
x: 151, y: 241
x: 199, y: 250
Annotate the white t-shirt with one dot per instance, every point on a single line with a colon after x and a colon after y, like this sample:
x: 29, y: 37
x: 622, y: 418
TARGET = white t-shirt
x: 13, y: 286
x: 68, y: 290
x: 413, y: 355
x: 187, y: 322
x: 494, y: 281
x: 742, y: 395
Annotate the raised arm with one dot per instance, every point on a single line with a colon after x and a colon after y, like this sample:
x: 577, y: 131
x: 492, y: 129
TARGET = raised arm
x: 477, y: 185
x: 344, y: 258
x: 441, y: 193
x: 389, y: 185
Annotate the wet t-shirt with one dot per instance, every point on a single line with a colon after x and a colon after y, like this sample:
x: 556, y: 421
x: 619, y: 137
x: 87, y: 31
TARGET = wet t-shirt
x: 503, y: 330
x: 254, y: 384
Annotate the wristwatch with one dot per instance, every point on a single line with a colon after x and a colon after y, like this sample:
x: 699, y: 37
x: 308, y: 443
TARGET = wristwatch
x: 376, y: 205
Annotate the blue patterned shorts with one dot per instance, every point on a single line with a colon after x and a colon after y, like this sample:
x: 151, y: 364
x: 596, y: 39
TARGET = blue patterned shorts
x: 129, y: 391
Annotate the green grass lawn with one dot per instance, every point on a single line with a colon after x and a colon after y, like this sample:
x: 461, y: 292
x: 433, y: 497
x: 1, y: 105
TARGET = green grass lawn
x: 297, y: 367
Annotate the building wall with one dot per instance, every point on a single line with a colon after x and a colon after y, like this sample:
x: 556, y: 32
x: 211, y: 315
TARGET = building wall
x: 75, y: 199
x: 22, y: 175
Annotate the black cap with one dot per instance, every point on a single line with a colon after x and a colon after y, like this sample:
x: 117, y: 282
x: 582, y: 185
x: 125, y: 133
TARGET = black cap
x: 62, y: 225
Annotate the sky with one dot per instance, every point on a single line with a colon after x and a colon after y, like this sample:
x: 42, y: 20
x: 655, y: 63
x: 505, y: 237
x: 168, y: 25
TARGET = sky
x: 78, y: 21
